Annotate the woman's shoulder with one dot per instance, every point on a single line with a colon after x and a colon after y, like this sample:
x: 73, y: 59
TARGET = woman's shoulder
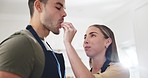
x: 117, y: 65
x: 119, y: 68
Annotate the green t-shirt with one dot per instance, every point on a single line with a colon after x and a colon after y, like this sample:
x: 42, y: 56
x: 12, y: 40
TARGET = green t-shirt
x: 21, y: 54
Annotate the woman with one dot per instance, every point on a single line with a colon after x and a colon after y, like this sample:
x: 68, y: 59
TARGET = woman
x: 100, y: 47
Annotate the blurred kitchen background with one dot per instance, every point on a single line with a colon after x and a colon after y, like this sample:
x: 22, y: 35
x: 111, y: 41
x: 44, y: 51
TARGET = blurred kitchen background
x: 127, y: 18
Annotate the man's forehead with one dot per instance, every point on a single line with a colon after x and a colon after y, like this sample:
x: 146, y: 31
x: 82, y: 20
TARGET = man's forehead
x: 58, y: 1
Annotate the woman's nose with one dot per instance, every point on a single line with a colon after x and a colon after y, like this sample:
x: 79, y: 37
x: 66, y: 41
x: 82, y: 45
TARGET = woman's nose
x: 85, y: 41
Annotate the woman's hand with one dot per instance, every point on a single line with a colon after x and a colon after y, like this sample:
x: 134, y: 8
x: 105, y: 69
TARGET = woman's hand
x: 69, y: 32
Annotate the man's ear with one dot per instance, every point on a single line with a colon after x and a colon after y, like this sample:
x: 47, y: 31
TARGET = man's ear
x: 38, y: 5
x: 108, y: 42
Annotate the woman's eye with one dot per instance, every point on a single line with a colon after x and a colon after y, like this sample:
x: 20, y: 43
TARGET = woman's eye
x: 92, y: 35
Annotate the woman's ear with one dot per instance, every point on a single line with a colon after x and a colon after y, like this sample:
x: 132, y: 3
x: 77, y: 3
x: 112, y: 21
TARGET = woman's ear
x: 108, y: 42
x: 38, y: 5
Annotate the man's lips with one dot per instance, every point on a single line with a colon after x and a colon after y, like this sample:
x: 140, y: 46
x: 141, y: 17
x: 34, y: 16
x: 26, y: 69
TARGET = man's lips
x: 61, y: 20
x: 60, y: 23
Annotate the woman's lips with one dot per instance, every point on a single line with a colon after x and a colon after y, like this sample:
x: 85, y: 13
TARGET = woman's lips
x: 87, y: 47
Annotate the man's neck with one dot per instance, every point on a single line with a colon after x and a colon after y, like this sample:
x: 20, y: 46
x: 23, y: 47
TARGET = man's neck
x: 41, y: 31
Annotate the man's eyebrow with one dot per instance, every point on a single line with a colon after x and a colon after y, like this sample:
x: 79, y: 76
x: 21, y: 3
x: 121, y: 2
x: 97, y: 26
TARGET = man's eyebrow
x: 58, y: 3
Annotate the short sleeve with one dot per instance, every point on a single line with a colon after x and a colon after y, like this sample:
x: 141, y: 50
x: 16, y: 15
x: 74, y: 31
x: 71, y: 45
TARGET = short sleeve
x: 114, y: 71
x: 16, y: 55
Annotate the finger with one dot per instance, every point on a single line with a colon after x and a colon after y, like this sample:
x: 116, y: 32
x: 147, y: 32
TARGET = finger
x: 65, y: 28
x: 68, y: 27
x: 65, y: 25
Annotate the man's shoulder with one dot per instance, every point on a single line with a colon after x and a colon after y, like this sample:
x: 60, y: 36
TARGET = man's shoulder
x: 22, y: 36
x: 21, y: 39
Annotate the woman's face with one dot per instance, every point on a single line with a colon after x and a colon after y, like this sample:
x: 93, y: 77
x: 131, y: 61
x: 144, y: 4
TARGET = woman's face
x: 94, y: 42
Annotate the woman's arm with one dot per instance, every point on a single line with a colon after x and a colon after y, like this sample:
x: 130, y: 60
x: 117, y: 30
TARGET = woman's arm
x: 79, y: 69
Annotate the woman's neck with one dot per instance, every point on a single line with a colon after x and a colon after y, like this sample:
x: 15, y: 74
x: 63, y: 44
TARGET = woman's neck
x: 97, y: 63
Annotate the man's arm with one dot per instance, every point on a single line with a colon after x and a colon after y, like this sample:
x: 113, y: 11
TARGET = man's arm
x: 4, y: 74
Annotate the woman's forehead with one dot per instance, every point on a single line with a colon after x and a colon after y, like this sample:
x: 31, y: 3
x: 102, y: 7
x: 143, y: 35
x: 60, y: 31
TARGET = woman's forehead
x: 93, y: 29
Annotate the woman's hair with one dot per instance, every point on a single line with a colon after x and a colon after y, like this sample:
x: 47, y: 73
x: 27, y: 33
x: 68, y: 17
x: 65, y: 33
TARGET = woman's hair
x: 31, y: 5
x: 111, y: 52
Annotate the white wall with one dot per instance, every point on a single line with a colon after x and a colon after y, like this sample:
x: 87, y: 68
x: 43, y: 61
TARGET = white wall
x: 135, y: 20
x: 134, y: 27
x: 141, y: 37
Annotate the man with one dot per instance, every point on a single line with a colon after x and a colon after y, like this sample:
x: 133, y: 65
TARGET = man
x: 25, y: 54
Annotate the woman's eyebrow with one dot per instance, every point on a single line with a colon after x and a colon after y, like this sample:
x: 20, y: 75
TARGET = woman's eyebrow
x: 93, y: 32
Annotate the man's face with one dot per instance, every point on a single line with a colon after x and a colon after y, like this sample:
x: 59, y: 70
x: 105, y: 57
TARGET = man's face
x: 53, y: 15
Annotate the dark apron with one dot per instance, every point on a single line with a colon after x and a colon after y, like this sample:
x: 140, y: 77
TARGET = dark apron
x: 51, y: 63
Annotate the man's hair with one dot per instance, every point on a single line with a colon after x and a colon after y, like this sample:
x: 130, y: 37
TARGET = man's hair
x: 31, y: 5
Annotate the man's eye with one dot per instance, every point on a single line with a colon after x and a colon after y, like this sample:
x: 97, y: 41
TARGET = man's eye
x: 59, y: 8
